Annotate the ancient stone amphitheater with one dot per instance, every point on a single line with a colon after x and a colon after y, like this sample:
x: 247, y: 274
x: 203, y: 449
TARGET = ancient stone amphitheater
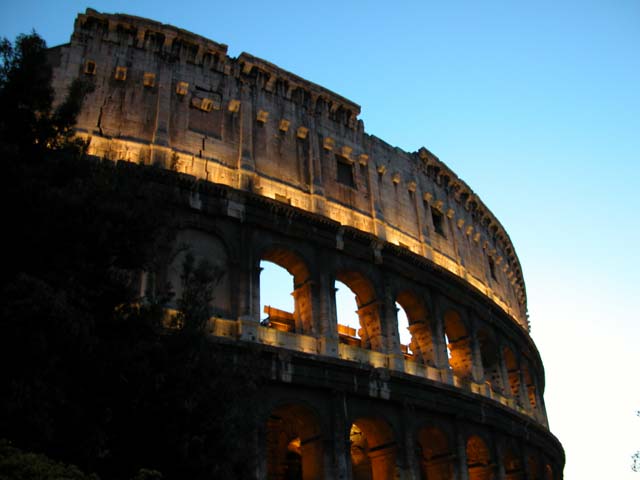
x: 291, y: 177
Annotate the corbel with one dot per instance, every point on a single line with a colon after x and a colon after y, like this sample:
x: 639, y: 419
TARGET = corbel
x: 262, y: 116
x: 302, y: 132
x: 284, y: 125
x: 328, y: 143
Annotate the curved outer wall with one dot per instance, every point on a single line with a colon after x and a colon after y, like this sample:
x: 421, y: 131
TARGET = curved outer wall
x: 298, y: 182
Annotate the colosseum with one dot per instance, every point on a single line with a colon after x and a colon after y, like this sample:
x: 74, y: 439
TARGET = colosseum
x: 280, y: 169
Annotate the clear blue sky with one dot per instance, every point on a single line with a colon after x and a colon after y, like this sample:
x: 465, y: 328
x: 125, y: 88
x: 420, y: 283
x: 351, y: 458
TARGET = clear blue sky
x: 536, y: 105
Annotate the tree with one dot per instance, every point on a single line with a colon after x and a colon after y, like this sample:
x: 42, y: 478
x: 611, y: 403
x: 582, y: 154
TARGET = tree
x: 89, y: 375
x: 28, y: 121
x: 18, y: 465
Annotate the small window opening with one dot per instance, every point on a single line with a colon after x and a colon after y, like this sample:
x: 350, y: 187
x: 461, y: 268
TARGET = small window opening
x: 121, y: 74
x: 90, y: 67
x: 438, y: 221
x: 345, y: 171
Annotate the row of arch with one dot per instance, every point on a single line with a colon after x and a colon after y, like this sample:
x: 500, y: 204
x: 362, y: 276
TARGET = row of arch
x: 443, y: 334
x: 295, y: 446
x: 473, y: 355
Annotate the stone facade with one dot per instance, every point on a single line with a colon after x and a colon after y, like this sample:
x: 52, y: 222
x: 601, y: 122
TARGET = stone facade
x: 273, y: 167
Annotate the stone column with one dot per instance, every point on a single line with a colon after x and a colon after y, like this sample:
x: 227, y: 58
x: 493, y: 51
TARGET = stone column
x: 160, y: 144
x: 341, y: 444
x: 326, y: 319
x: 411, y: 464
x: 248, y: 285
x: 504, y: 373
x: 390, y: 327
x: 461, y: 456
x: 439, y: 347
x: 246, y: 163
x: 522, y: 388
x: 499, y: 462
x: 370, y: 320
x: 477, y: 369
x: 303, y: 314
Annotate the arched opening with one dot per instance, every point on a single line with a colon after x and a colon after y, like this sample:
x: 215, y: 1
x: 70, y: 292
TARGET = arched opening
x: 367, y: 331
x: 414, y: 323
x: 197, y: 251
x: 404, y: 335
x: 459, y: 345
x: 436, y: 457
x: 530, y: 387
x: 373, y: 450
x: 294, y: 444
x: 512, y: 466
x: 513, y: 371
x: 285, y: 292
x: 479, y: 465
x: 490, y: 354
x: 347, y: 313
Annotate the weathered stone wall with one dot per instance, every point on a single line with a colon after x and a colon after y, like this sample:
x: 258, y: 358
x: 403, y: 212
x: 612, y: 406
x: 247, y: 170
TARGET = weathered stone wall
x: 166, y: 96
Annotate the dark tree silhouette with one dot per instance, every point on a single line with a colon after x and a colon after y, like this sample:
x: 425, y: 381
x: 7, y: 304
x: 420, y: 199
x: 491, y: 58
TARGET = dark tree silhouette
x: 90, y: 376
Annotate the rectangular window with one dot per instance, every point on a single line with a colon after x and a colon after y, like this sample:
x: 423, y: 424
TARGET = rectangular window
x: 345, y: 171
x: 90, y: 67
x: 438, y: 221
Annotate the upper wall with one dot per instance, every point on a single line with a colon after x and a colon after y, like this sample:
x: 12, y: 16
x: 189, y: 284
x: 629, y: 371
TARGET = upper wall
x: 168, y: 97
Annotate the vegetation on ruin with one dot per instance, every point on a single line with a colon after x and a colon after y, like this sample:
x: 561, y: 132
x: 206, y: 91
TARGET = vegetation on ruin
x: 90, y: 375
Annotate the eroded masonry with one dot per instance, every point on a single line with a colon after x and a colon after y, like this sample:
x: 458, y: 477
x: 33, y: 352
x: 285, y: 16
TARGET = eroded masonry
x: 279, y: 169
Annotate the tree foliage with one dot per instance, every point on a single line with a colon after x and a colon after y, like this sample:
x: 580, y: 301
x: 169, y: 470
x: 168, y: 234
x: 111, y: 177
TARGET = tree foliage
x: 29, y: 123
x: 18, y: 465
x: 90, y: 376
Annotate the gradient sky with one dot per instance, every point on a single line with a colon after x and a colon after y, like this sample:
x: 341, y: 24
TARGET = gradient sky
x: 536, y: 105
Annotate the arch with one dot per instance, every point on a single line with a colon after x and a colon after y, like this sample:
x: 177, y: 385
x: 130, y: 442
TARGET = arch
x: 421, y: 346
x: 479, y: 465
x: 288, y: 259
x: 202, y: 247
x: 301, y: 319
x: 294, y: 444
x: 370, y: 331
x: 513, y: 372
x: 491, y: 360
x: 373, y: 450
x: 359, y: 284
x: 512, y: 465
x: 459, y: 345
x: 436, y: 456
